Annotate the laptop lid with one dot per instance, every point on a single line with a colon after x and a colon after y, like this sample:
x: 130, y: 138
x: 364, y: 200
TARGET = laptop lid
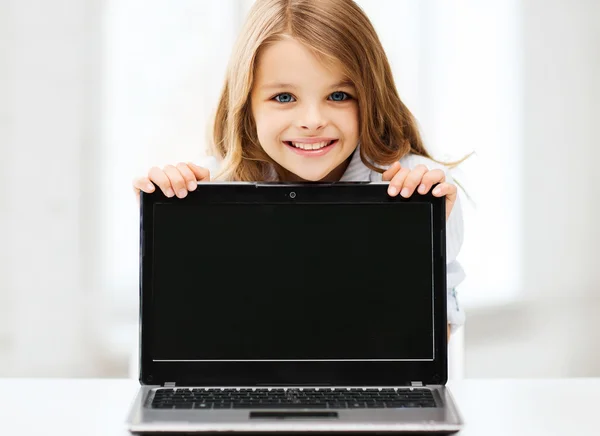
x: 250, y: 284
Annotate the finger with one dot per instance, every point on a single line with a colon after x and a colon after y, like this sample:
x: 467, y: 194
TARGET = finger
x: 188, y: 176
x: 397, y: 181
x: 177, y: 181
x: 429, y: 179
x: 160, y: 179
x: 202, y: 174
x: 391, y: 171
x: 412, y: 180
x: 449, y: 190
x: 143, y: 184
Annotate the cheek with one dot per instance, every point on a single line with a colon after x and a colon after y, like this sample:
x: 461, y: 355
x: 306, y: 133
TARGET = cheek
x: 349, y: 122
x: 260, y: 118
x: 269, y: 124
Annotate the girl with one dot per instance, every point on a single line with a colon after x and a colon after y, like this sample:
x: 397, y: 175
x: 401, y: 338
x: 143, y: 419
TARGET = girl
x: 309, y: 96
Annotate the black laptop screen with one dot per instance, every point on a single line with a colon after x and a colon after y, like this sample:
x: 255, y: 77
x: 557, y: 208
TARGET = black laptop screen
x: 274, y: 282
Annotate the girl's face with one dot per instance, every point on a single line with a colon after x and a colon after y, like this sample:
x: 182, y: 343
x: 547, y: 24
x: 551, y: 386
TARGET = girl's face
x: 306, y: 114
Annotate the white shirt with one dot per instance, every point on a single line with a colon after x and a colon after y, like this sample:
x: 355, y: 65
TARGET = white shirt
x: 357, y: 171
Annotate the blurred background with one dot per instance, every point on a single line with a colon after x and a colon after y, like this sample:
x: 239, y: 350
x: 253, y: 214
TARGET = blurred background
x: 95, y: 92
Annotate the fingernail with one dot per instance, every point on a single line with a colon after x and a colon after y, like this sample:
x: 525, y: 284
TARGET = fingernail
x: 182, y: 193
x: 404, y: 192
x: 437, y: 190
x: 170, y: 193
x: 191, y: 186
x: 149, y: 187
x: 392, y: 190
x: 422, y: 189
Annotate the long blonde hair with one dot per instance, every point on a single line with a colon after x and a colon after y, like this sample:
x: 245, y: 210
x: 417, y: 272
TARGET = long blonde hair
x: 336, y: 31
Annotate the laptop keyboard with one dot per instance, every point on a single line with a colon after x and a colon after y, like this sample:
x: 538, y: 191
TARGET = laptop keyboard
x: 275, y: 398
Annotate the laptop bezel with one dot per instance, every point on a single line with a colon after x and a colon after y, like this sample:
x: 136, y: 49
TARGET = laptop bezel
x: 292, y: 373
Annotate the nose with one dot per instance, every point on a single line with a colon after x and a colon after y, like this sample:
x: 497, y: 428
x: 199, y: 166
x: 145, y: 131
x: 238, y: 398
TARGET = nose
x: 312, y: 118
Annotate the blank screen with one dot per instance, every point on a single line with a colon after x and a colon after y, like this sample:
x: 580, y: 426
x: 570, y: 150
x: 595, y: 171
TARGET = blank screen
x: 238, y: 282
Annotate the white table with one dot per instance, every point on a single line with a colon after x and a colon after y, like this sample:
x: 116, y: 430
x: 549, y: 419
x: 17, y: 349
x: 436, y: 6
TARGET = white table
x: 69, y: 407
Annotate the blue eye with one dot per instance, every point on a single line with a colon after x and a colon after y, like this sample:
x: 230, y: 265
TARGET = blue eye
x: 339, y: 96
x: 285, y: 97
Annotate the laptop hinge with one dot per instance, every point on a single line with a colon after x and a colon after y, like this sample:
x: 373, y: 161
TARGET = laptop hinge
x: 416, y: 383
x: 169, y: 384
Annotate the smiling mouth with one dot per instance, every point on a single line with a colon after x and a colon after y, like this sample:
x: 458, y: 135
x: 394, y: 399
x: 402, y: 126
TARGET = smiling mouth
x: 315, y: 146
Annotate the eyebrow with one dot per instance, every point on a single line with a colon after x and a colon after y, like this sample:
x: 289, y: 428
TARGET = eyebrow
x: 341, y: 84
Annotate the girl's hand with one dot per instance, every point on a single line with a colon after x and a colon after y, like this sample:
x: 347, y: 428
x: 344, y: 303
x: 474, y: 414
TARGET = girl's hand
x: 172, y: 180
x: 404, y: 182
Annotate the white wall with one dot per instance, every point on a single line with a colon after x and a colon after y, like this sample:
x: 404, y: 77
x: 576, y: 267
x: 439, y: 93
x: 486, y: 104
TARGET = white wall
x: 6, y: 120
x: 555, y: 331
x: 561, y: 96
x: 48, y: 107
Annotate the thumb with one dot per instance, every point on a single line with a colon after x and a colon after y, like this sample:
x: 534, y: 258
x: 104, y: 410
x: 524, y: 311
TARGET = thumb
x: 201, y: 173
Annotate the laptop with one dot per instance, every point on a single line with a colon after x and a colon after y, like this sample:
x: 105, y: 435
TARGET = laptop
x: 293, y: 307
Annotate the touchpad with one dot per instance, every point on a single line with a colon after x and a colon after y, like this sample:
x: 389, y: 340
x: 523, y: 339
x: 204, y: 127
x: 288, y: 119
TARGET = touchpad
x: 293, y: 415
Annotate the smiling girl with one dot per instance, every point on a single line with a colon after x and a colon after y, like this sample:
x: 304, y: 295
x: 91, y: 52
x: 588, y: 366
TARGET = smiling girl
x: 309, y: 95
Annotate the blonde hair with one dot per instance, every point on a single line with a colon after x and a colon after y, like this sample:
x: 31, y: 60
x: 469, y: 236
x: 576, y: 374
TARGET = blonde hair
x: 336, y: 31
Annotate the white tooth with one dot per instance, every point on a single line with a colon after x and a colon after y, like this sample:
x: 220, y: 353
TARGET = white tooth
x: 314, y: 146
